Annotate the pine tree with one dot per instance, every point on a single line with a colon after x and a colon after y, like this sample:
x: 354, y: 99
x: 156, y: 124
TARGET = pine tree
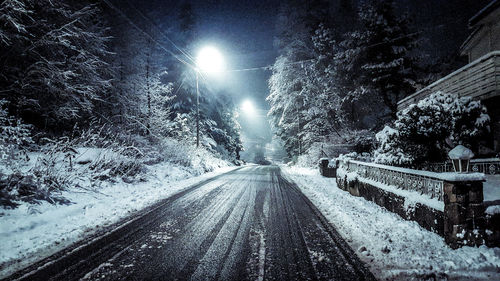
x: 54, y: 62
x: 376, y: 63
x: 291, y: 88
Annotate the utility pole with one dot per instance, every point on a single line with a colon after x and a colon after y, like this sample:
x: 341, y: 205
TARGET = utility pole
x: 148, y: 88
x: 298, y: 130
x: 197, y: 112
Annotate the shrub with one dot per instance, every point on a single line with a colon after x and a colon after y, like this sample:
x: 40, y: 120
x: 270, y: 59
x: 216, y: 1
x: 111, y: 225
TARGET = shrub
x: 426, y: 131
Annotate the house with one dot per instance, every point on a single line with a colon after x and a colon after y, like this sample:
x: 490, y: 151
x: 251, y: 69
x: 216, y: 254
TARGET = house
x: 480, y: 78
x: 485, y: 36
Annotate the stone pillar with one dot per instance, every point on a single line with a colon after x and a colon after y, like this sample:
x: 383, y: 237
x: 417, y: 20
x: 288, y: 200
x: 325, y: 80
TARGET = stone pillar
x: 464, y: 216
x: 326, y: 171
x: 323, y: 165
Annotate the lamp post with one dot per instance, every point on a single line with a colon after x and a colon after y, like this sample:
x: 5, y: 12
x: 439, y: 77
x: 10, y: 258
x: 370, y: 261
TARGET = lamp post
x: 460, y: 157
x: 197, y: 111
x: 209, y: 60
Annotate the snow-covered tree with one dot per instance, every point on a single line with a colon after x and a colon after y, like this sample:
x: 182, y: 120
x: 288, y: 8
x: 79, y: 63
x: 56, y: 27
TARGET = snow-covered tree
x: 287, y: 103
x: 426, y: 131
x: 143, y: 94
x: 294, y: 85
x: 54, y: 67
x: 375, y: 67
x: 14, y: 15
x: 324, y: 115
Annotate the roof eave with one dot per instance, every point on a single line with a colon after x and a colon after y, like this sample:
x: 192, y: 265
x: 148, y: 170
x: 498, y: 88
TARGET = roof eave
x: 483, y: 12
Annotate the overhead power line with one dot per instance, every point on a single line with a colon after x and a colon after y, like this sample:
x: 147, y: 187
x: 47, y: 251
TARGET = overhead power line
x: 152, y: 23
x: 146, y: 34
x: 269, y: 67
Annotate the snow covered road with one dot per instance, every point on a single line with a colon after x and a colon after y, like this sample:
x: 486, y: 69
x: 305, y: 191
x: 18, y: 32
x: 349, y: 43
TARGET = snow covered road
x: 249, y: 224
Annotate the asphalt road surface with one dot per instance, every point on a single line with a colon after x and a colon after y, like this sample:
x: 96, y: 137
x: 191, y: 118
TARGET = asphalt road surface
x: 250, y: 224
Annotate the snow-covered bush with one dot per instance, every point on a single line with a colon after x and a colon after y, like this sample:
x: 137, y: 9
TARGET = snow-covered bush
x: 311, y: 156
x: 365, y: 157
x: 363, y: 141
x: 15, y: 137
x: 115, y: 163
x: 426, y: 131
x: 91, y: 155
x: 40, y: 178
x: 175, y: 152
x: 25, y: 187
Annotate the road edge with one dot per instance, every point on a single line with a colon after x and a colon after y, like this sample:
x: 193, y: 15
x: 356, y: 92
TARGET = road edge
x: 344, y: 247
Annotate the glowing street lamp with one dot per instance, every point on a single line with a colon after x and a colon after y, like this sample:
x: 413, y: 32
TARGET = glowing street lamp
x: 248, y: 108
x: 209, y: 60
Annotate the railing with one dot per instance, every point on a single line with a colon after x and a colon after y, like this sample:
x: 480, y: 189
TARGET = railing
x: 423, y: 182
x: 479, y: 79
x: 490, y: 166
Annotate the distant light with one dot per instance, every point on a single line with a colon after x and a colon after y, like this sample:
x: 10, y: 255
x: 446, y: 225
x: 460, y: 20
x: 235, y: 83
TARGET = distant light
x: 210, y: 60
x: 247, y: 107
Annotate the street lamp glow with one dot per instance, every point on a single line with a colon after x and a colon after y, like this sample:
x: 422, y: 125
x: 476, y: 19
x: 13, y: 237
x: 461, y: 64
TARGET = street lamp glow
x: 247, y: 107
x: 210, y: 60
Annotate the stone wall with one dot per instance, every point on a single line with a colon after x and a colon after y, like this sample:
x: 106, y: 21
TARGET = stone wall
x: 462, y: 222
x: 492, y: 232
x: 464, y: 217
x: 427, y: 217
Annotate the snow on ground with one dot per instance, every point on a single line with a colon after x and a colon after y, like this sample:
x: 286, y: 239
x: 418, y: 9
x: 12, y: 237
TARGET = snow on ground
x: 31, y: 232
x: 491, y: 188
x: 395, y: 249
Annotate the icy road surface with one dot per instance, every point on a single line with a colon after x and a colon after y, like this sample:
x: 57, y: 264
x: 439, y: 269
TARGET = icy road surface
x: 249, y: 224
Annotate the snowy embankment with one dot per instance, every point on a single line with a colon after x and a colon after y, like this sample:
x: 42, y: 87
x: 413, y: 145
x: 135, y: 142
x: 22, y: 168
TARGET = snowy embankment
x: 394, y: 249
x: 34, y: 231
x: 491, y: 191
x: 491, y: 188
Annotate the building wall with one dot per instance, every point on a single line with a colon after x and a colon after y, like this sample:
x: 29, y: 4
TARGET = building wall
x: 487, y: 39
x: 478, y: 80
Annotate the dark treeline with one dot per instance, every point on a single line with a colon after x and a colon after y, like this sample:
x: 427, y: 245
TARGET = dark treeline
x: 68, y: 64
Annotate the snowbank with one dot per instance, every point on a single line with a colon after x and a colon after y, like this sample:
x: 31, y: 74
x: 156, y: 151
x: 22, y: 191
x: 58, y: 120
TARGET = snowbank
x: 394, y: 249
x: 491, y: 188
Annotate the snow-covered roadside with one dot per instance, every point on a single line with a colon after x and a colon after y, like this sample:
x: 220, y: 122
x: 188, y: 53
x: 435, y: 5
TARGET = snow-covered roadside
x: 394, y: 249
x: 31, y: 232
